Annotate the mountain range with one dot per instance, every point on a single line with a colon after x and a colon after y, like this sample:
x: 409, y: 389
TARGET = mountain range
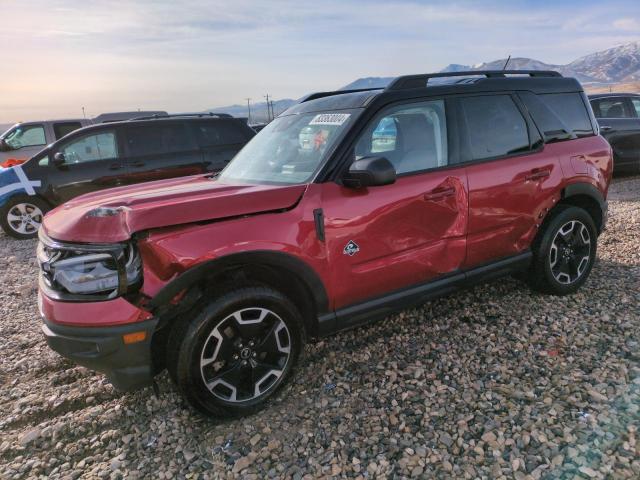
x: 617, y: 65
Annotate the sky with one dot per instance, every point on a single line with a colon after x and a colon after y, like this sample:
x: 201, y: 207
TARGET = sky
x: 191, y: 55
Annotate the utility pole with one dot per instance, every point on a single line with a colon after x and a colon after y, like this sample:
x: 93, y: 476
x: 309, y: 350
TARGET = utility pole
x: 268, y: 108
x: 249, y: 110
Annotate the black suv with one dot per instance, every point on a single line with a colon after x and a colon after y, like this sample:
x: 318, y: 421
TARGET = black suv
x: 115, y: 154
x: 619, y: 117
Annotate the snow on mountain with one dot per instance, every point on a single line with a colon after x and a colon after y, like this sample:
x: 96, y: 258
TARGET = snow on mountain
x: 368, y: 82
x: 518, y: 63
x: 455, y: 67
x: 617, y: 64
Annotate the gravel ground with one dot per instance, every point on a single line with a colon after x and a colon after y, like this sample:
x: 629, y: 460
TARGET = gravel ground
x: 493, y: 382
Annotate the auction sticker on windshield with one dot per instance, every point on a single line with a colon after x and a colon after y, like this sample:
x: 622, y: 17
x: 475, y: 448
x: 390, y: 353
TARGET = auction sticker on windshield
x: 330, y: 119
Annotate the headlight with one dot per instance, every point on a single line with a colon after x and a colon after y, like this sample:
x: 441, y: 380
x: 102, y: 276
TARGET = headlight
x: 105, y: 271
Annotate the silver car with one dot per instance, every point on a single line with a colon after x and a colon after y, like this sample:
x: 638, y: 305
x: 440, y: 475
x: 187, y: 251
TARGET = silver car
x: 24, y: 140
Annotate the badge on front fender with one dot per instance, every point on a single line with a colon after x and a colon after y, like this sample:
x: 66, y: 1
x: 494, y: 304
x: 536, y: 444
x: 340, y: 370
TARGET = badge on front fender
x: 351, y: 248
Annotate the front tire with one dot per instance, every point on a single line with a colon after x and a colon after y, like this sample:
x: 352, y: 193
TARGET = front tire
x: 22, y: 216
x: 236, y: 352
x: 565, y: 252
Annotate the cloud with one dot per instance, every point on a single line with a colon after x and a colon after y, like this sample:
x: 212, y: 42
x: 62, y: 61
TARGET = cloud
x: 195, y: 54
x: 627, y: 24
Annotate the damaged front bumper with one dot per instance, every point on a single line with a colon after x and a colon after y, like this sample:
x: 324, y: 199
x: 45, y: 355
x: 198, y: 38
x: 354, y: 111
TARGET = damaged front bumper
x: 121, y: 351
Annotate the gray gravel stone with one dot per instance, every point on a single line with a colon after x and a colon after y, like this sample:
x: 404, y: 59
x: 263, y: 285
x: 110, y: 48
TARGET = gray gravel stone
x: 491, y: 382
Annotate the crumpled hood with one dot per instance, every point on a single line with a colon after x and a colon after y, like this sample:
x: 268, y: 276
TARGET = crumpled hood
x: 114, y: 215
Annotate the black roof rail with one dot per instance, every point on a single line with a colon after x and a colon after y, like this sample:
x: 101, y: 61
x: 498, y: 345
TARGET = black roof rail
x: 420, y: 81
x: 316, y: 95
x: 174, y: 115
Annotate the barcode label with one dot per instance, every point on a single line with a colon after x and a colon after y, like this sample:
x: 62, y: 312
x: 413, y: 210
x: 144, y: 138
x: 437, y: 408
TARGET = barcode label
x: 330, y: 119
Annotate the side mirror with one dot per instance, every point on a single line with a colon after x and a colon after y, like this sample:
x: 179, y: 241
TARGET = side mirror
x: 58, y: 158
x: 4, y: 146
x: 370, y: 172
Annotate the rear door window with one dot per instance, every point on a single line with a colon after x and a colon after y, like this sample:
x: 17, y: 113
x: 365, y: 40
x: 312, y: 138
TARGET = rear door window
x: 495, y: 126
x: 63, y: 128
x: 219, y: 132
x: 570, y: 108
x: 156, y: 139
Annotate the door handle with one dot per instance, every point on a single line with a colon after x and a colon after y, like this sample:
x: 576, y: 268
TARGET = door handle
x: 115, y: 166
x: 538, y: 174
x: 605, y: 128
x: 138, y: 164
x: 440, y: 193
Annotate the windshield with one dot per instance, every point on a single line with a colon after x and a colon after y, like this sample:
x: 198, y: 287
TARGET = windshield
x: 290, y: 149
x: 8, y: 131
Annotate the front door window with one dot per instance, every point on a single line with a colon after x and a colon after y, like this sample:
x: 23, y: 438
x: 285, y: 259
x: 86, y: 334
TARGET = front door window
x: 412, y: 137
x: 102, y: 146
x: 26, y: 136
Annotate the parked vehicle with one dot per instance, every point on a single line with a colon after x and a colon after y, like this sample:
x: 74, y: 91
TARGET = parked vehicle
x: 222, y: 280
x: 113, y: 154
x: 619, y: 117
x: 25, y: 139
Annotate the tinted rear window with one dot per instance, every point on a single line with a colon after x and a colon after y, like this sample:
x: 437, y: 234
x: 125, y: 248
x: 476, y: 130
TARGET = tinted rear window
x: 553, y: 129
x: 613, y: 107
x: 496, y: 126
x: 220, y: 132
x: 570, y: 108
x: 156, y: 139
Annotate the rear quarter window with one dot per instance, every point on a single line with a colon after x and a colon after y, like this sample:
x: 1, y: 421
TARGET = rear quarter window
x: 62, y: 129
x: 221, y: 132
x: 551, y: 126
x: 571, y: 110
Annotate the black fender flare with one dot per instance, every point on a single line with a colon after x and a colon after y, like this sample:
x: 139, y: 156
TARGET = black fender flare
x: 258, y: 257
x: 588, y: 190
x: 583, y: 188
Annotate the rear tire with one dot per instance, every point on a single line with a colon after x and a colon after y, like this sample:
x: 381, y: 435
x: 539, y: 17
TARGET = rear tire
x: 22, y: 216
x: 235, y: 352
x: 564, y: 252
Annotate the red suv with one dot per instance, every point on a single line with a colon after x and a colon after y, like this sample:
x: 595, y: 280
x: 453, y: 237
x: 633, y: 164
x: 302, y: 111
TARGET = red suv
x: 346, y: 207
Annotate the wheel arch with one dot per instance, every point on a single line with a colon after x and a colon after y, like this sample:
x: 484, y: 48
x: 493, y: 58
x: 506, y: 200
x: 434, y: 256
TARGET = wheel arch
x: 288, y: 274
x: 26, y: 197
x: 587, y: 197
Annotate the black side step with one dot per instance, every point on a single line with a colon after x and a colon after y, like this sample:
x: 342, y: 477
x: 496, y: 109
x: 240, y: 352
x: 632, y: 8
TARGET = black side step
x: 380, y: 307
